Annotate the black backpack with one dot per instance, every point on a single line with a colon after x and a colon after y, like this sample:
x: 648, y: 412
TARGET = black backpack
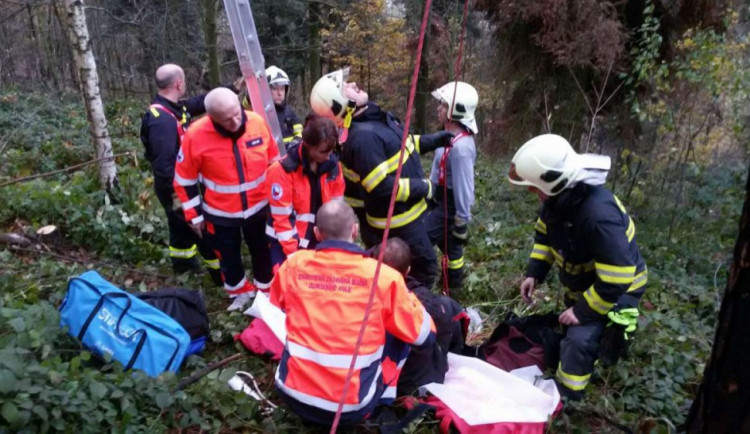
x: 185, y: 306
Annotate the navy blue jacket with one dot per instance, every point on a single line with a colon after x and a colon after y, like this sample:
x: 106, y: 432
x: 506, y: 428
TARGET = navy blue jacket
x: 586, y: 231
x: 369, y: 159
x: 160, y: 136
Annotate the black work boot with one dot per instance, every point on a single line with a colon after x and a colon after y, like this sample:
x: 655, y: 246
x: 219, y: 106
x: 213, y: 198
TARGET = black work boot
x: 216, y: 276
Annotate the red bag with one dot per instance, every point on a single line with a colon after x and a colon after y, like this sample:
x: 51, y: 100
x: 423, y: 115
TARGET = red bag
x: 259, y: 339
x: 447, y: 417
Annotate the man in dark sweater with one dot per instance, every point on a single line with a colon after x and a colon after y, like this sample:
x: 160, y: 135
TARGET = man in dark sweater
x: 162, y: 128
x: 425, y: 365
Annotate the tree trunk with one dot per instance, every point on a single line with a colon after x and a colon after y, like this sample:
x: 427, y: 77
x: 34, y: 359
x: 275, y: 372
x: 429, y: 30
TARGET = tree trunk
x: 78, y: 35
x: 313, y: 52
x: 723, y: 401
x: 209, y: 8
x: 423, y: 90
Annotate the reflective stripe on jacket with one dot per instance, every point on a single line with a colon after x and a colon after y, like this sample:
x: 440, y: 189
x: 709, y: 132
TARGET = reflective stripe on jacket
x: 231, y: 167
x: 296, y: 195
x: 324, y: 293
x: 587, y: 232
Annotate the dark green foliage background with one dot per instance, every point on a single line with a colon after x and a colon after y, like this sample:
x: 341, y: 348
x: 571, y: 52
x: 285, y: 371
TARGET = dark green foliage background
x: 49, y: 383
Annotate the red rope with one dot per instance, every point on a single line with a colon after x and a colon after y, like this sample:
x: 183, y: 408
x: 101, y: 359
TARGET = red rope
x: 457, y: 70
x: 409, y: 107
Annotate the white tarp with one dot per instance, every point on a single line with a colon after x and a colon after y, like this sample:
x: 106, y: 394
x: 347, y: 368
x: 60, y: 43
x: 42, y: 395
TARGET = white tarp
x: 270, y: 314
x: 480, y: 393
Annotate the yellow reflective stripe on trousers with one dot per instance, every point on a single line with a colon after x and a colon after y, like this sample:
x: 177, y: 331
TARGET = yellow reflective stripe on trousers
x: 350, y: 174
x: 542, y: 253
x: 378, y: 174
x: 399, y: 220
x: 297, y: 128
x: 354, y: 203
x: 630, y: 232
x: 639, y: 281
x: 289, y: 139
x: 403, y: 190
x: 595, y: 302
x: 572, y: 382
x: 182, y: 253
x: 456, y: 264
x: 619, y: 275
x: 540, y: 226
x: 212, y: 264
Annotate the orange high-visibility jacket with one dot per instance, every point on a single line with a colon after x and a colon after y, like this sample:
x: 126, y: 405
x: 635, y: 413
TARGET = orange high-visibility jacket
x: 324, y: 293
x: 231, y: 167
x: 296, y: 195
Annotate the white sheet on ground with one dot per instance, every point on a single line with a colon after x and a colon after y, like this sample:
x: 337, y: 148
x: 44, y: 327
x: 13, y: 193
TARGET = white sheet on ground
x: 481, y: 393
x: 270, y: 314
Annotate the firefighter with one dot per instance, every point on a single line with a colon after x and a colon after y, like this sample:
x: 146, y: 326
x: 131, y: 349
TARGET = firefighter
x: 371, y: 145
x: 585, y: 230
x: 324, y: 293
x: 428, y: 364
x: 453, y: 173
x: 227, y: 153
x: 309, y: 176
x: 291, y: 127
x: 162, y: 128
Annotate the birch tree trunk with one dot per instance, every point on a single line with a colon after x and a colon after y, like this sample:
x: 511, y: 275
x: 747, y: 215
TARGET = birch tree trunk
x: 75, y: 22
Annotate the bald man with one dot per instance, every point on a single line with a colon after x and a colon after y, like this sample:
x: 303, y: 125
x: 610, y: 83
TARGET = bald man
x: 162, y: 128
x: 324, y: 293
x: 228, y: 153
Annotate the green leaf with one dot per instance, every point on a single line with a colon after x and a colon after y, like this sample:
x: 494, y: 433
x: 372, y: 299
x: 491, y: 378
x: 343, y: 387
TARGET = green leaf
x: 7, y: 381
x: 163, y: 400
x: 98, y: 390
x: 18, y: 324
x: 9, y: 412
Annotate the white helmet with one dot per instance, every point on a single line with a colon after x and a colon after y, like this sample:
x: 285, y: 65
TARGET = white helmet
x: 546, y: 162
x: 466, y: 100
x: 276, y: 76
x: 327, y: 96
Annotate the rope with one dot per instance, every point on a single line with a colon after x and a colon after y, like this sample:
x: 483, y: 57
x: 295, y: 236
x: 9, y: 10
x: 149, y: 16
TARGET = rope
x: 444, y: 162
x: 409, y: 107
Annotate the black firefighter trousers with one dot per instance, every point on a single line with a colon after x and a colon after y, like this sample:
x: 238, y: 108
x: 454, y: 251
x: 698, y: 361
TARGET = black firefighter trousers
x: 184, y: 244
x: 227, y: 241
x: 423, y: 260
x: 579, y: 350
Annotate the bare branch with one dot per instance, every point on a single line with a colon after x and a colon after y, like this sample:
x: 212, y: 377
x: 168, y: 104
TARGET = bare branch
x: 66, y: 169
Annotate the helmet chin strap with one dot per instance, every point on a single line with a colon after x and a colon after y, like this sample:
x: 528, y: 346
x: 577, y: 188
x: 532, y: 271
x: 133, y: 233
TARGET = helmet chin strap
x: 351, y: 107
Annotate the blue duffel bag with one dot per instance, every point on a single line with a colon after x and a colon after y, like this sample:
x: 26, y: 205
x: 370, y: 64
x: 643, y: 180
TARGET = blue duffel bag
x: 108, y: 320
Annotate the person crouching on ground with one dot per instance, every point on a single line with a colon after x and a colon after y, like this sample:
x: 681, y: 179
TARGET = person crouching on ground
x: 324, y: 293
x: 586, y: 231
x: 427, y: 364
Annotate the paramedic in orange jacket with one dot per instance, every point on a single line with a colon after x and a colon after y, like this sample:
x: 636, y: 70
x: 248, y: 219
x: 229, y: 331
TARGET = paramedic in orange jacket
x: 324, y: 293
x: 228, y: 152
x: 309, y: 176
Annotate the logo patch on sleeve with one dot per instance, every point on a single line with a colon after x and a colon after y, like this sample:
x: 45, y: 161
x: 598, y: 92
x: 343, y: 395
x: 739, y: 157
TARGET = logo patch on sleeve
x: 180, y: 157
x: 254, y: 142
x: 276, y: 191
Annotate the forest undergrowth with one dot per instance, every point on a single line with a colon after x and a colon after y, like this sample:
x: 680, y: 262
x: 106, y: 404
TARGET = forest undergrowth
x: 49, y: 383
